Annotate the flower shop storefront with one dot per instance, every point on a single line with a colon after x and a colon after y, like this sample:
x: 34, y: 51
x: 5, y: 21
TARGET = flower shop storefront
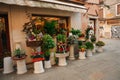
x: 66, y: 16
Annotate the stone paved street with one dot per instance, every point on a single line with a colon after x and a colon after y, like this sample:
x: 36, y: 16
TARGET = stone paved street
x: 102, y: 66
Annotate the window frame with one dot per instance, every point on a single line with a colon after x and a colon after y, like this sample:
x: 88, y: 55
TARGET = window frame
x: 117, y: 14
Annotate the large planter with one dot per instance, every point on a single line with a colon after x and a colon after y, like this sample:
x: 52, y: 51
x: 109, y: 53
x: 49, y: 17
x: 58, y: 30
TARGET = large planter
x: 82, y: 55
x: 71, y: 56
x: 89, y: 53
x: 62, y: 58
x: 21, y: 64
x: 38, y: 67
x: 8, y: 65
x: 99, y: 49
x: 47, y: 64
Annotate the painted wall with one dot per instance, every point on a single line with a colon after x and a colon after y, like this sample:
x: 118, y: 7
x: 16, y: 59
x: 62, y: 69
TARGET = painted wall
x: 17, y: 17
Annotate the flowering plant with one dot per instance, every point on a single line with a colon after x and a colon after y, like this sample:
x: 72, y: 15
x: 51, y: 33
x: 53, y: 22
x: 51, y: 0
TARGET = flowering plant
x: 37, y: 56
x: 62, y: 48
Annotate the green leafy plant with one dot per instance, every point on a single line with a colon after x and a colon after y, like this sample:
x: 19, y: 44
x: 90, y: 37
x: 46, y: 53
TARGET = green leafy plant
x: 71, y: 40
x: 93, y: 39
x: 18, y: 53
x: 49, y: 27
x: 82, y: 48
x: 89, y: 45
x: 100, y: 43
x: 48, y: 43
x: 61, y: 38
x: 75, y: 32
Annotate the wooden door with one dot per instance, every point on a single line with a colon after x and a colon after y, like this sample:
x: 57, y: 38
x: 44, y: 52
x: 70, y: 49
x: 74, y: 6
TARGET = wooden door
x: 4, y: 37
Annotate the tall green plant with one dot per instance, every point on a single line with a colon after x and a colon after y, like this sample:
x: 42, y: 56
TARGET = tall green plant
x: 47, y: 44
x: 61, y: 38
x: 50, y: 27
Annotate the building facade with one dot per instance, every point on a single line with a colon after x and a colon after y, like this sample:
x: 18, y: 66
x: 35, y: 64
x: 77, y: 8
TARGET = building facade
x: 14, y: 14
x: 110, y: 19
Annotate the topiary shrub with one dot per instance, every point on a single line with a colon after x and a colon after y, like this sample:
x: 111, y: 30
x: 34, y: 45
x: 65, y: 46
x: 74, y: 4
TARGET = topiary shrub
x: 100, y: 43
x: 89, y: 45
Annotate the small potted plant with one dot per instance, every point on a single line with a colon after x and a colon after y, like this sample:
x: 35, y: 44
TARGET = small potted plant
x: 48, y: 43
x: 19, y: 57
x: 82, y: 49
x: 99, y: 45
x: 61, y: 52
x: 89, y: 48
x: 37, y: 58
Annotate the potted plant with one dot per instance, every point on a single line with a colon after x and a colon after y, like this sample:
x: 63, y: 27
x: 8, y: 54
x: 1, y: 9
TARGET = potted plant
x: 19, y: 57
x: 89, y: 48
x: 93, y: 40
x: 37, y: 58
x: 62, y: 51
x: 81, y: 37
x: 89, y: 32
x: 33, y: 33
x: 82, y: 49
x: 99, y: 45
x: 71, y: 41
x: 50, y: 27
x: 48, y: 43
x: 75, y: 32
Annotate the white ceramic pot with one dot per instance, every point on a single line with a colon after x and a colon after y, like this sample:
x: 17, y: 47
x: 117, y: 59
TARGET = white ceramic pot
x: 8, y: 65
x: 82, y: 55
x: 71, y: 56
x: 99, y: 49
x: 62, y: 58
x: 89, y: 53
x: 47, y: 64
x: 21, y: 66
x: 38, y: 67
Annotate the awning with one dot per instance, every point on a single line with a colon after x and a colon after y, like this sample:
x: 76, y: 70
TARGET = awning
x: 47, y: 4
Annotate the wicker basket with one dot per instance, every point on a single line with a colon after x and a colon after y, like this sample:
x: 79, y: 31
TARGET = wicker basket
x: 33, y: 43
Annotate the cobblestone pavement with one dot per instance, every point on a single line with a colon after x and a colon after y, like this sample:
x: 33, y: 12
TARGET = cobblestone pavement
x: 101, y: 66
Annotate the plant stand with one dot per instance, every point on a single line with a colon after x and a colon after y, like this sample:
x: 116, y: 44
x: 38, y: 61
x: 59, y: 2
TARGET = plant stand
x: 89, y: 53
x: 99, y: 49
x: 47, y: 64
x: 82, y: 55
x: 38, y: 67
x: 94, y: 50
x: 8, y: 65
x: 71, y: 56
x: 62, y: 59
x: 52, y: 58
x: 21, y: 66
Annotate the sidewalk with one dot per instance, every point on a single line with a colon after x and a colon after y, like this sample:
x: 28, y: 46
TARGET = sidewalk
x: 102, y: 66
